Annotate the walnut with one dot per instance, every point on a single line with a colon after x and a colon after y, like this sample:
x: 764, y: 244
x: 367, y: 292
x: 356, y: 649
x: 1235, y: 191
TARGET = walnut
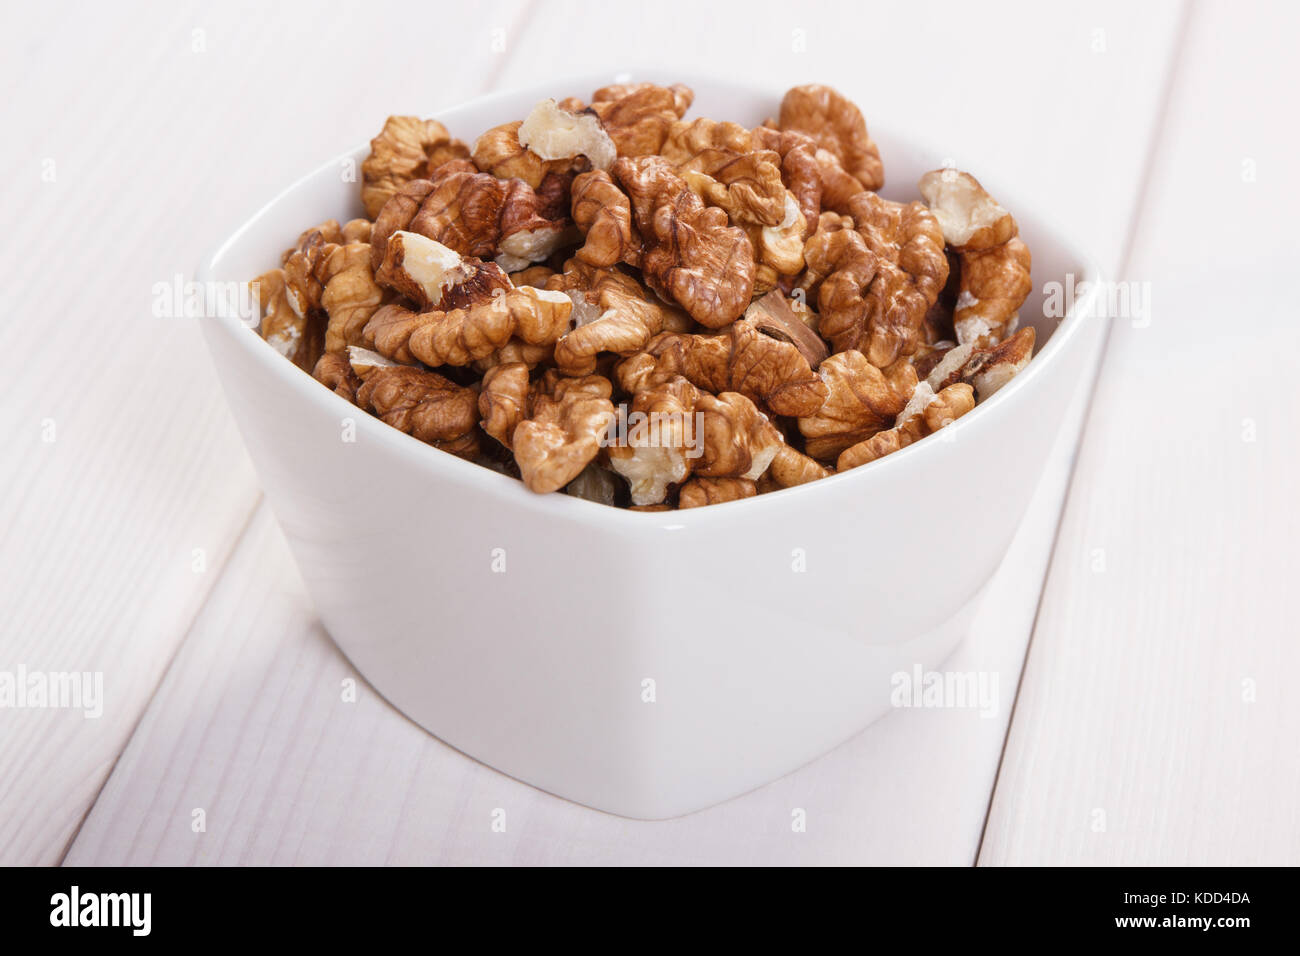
x: 559, y: 135
x: 350, y: 296
x: 776, y: 316
x: 304, y: 264
x: 299, y: 338
x: 693, y: 255
x: 516, y: 350
x: 421, y: 403
x: 720, y: 162
x: 737, y: 440
x: 474, y: 214
x: 603, y: 214
x: 499, y: 152
x: 862, y: 400
x: 503, y: 400
x: 778, y: 249
x: 971, y: 219
x: 800, y: 169
x: 789, y: 468
x: 406, y: 148
x: 461, y: 336
x: 434, y: 276
x: 533, y: 275
x: 567, y: 421
x: 714, y: 491
x: 355, y: 230
x: 838, y: 127
x: 743, y: 359
x: 637, y: 116
x: 986, y: 369
x: 612, y: 312
x: 334, y: 371
x: 874, y: 294
x: 994, y: 284
x: 925, y: 414
x: 595, y: 484
x: 661, y: 440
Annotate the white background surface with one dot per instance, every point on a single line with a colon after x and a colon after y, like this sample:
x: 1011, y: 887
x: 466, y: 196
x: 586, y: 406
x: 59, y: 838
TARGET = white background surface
x: 1140, y: 627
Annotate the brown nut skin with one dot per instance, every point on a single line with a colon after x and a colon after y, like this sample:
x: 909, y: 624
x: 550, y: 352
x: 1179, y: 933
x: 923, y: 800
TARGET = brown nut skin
x: 637, y: 116
x: 722, y: 163
x: 472, y: 213
x: 420, y: 403
x: 800, y: 170
x: 350, y: 296
x: 299, y: 338
x: 765, y: 370
x: 714, y: 491
x: 612, y: 313
x: 946, y: 407
x: 499, y: 152
x: 562, y: 435
x: 737, y: 439
x: 790, y: 468
x: 305, y: 263
x: 693, y: 255
x: 461, y: 336
x: 603, y: 214
x: 862, y: 401
x: 334, y: 371
x: 836, y: 124
x: 472, y: 280
x: 406, y: 148
x: 994, y: 284
x: 503, y: 400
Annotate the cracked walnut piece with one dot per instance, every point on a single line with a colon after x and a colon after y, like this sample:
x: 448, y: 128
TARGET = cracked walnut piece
x: 925, y: 414
x: 862, y: 400
x: 661, y: 440
x: 986, y: 369
x: 693, y: 255
x: 406, y: 148
x: 714, y: 491
x: 461, y: 336
x: 419, y: 402
x: 564, y: 429
x: 350, y: 295
x: 837, y: 126
x: 637, y: 116
x: 433, y: 276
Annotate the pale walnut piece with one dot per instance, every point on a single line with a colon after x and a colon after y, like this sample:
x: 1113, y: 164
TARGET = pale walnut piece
x: 661, y: 443
x: 474, y: 214
x: 714, y: 491
x: 563, y: 432
x: 334, y: 371
x: 994, y: 284
x: 721, y: 162
x: 503, y: 400
x: 736, y: 439
x: 862, y: 401
x: 420, y: 403
x: 925, y: 414
x: 350, y: 296
x: 970, y: 218
x: 461, y: 336
x: 435, y: 276
x: 612, y: 312
x: 693, y: 255
x: 838, y: 127
x: 558, y: 135
x: 299, y: 338
x: 406, y: 148
x: 986, y: 369
x: 637, y: 116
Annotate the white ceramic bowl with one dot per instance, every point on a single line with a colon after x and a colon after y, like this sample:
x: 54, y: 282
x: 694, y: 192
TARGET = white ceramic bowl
x: 540, y: 670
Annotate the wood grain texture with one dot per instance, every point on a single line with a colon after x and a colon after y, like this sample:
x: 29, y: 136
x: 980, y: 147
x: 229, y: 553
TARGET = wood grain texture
x: 136, y: 137
x: 249, y: 724
x: 1157, y: 720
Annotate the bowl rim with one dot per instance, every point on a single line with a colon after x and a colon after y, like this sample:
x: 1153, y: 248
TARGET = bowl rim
x: 447, y: 467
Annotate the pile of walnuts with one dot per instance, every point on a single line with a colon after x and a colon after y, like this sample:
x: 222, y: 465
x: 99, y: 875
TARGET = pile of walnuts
x: 532, y: 302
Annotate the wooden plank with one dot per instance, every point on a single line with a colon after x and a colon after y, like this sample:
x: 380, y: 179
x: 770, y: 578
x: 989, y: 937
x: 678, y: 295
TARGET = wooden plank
x: 136, y: 137
x: 249, y: 725
x: 1156, y: 722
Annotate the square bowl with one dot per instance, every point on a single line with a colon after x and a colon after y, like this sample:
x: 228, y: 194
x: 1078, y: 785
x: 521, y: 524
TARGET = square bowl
x: 645, y: 664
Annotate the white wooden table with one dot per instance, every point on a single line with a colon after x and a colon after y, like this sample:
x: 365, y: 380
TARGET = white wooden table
x: 1138, y: 627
